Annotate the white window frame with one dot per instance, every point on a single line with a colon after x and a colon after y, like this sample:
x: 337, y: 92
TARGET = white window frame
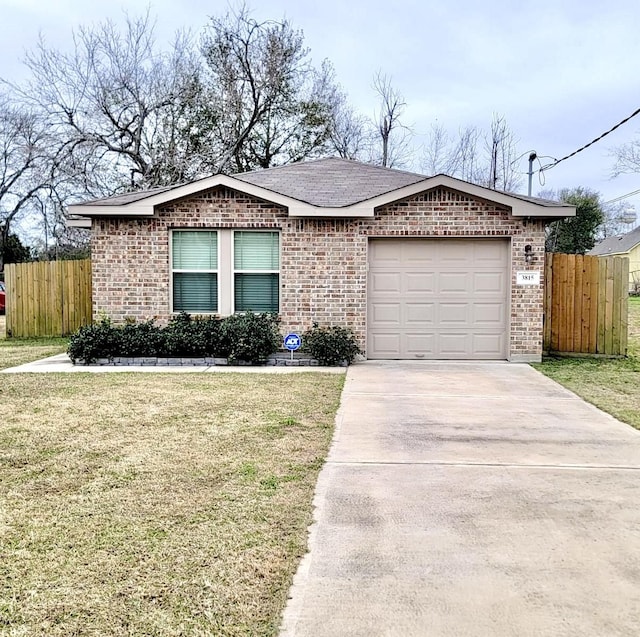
x: 233, y: 262
x: 190, y: 271
x: 226, y: 267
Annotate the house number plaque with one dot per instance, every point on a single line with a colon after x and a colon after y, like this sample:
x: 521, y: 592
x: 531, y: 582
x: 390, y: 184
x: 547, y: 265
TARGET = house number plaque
x: 529, y: 277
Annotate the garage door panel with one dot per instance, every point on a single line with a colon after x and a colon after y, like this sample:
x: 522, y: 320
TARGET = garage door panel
x: 384, y: 254
x: 489, y: 254
x: 454, y: 283
x: 450, y: 300
x: 420, y: 344
x: 490, y: 282
x: 454, y: 344
x: 488, y: 314
x: 418, y: 255
x: 386, y: 282
x: 488, y: 344
x: 450, y: 314
x: 386, y: 345
x: 455, y: 254
x: 386, y: 315
x: 420, y: 314
x: 419, y: 282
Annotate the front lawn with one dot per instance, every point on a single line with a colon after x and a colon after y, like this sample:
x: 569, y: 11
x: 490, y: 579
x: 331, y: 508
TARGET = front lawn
x: 611, y: 384
x: 156, y: 504
x: 17, y: 351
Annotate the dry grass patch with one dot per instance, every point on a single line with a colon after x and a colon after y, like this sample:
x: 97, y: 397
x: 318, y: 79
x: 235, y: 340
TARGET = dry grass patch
x: 153, y: 504
x: 17, y: 351
x: 613, y: 385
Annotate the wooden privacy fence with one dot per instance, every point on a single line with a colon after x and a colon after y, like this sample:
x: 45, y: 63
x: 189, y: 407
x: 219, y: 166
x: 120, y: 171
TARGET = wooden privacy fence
x: 586, y: 304
x: 48, y: 298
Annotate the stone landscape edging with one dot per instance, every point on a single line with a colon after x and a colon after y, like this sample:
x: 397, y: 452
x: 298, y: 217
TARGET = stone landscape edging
x: 198, y: 361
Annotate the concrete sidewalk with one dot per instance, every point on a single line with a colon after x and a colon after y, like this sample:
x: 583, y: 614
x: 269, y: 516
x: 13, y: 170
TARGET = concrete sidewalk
x: 62, y: 363
x: 471, y: 499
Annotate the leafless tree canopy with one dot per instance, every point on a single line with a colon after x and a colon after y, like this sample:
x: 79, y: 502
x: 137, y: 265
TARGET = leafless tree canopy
x: 393, y: 135
x: 485, y: 158
x: 120, y: 109
x: 24, y: 169
x: 627, y: 158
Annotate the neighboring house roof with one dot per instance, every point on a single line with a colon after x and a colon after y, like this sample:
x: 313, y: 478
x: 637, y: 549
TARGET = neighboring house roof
x: 619, y: 244
x: 329, y: 187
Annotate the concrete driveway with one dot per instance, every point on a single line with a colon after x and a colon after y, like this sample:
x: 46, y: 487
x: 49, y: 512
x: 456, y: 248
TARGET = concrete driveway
x: 465, y: 499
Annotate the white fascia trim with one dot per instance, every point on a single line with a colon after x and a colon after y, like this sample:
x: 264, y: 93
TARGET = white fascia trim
x: 519, y: 207
x: 145, y: 207
x: 83, y: 222
x: 296, y: 208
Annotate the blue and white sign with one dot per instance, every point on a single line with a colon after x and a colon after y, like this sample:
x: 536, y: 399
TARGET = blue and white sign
x: 292, y: 342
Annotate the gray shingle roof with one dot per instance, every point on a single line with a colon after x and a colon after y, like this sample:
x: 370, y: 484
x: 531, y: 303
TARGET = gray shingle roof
x: 125, y: 198
x: 324, y: 183
x: 331, y: 182
x: 617, y: 244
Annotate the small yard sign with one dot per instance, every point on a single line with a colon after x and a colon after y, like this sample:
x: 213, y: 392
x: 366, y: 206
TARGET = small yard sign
x: 530, y: 277
x: 292, y: 342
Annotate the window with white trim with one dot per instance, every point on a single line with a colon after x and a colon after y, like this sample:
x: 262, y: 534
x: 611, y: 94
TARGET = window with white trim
x: 195, y: 271
x: 225, y: 271
x: 256, y: 273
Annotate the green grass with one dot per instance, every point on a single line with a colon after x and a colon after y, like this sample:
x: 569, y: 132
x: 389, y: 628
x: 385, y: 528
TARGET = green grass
x: 613, y: 385
x: 155, y: 504
x: 17, y: 351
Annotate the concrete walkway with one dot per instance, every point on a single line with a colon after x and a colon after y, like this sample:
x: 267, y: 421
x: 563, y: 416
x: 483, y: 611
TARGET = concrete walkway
x: 471, y: 500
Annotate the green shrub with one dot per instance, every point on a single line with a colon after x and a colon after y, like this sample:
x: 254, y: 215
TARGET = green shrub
x: 332, y: 345
x: 139, y: 339
x: 247, y: 337
x: 90, y: 342
x: 185, y: 336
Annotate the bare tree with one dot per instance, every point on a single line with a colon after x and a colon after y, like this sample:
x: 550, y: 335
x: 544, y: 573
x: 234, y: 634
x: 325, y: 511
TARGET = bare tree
x: 117, y: 106
x: 619, y: 218
x: 627, y: 158
x: 393, y: 135
x: 23, y: 168
x: 501, y: 146
x: 488, y: 159
x: 272, y: 105
x: 437, y: 157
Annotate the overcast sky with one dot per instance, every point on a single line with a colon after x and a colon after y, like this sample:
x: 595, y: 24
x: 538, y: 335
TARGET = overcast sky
x: 560, y: 71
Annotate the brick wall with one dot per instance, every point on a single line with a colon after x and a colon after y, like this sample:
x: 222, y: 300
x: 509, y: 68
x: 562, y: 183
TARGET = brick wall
x: 323, y: 261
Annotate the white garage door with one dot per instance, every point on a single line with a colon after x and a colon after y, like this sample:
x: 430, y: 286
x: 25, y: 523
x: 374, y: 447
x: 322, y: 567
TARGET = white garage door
x: 437, y: 298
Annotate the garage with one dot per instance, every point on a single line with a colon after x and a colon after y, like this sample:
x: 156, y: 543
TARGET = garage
x: 438, y: 299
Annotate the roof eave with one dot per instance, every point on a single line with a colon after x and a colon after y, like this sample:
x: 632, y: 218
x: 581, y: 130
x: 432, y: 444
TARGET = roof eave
x: 78, y: 222
x: 146, y: 207
x: 518, y: 207
x: 364, y: 209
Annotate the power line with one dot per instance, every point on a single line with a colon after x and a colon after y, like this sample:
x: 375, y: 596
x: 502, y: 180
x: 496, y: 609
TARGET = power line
x: 593, y: 141
x: 621, y: 197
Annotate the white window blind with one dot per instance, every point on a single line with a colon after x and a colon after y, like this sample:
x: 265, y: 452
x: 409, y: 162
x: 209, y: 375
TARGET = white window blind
x: 256, y: 271
x: 195, y: 266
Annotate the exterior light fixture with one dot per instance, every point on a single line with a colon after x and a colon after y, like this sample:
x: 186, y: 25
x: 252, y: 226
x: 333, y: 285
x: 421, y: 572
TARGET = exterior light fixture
x: 528, y: 253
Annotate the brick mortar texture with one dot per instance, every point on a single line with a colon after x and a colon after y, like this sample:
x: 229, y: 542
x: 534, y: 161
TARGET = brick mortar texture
x: 323, y: 261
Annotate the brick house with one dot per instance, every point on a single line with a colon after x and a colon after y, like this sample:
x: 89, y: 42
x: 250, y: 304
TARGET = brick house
x: 418, y: 267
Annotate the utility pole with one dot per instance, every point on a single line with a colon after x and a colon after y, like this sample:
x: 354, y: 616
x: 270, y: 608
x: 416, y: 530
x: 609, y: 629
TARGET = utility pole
x: 532, y: 157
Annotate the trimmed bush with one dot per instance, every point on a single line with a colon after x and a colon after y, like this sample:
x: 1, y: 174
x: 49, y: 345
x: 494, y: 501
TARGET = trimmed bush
x: 249, y: 337
x: 187, y: 337
x: 93, y: 341
x: 332, y: 345
x: 139, y: 339
x: 241, y: 337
